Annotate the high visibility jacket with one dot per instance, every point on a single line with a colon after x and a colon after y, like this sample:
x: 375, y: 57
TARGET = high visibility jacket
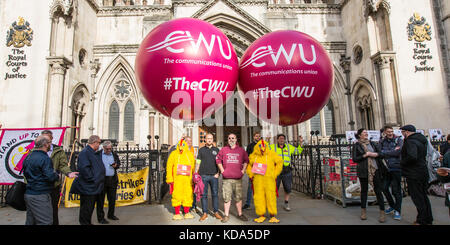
x: 286, y: 152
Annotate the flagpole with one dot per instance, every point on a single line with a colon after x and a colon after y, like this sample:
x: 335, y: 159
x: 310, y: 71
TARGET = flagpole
x: 68, y: 163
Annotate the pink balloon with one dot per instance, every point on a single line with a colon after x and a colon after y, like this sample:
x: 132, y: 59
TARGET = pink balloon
x: 292, y: 67
x: 183, y: 61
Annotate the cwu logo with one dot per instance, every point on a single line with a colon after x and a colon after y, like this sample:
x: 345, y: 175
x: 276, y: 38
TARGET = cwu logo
x: 264, y: 51
x: 19, y: 34
x: 177, y: 37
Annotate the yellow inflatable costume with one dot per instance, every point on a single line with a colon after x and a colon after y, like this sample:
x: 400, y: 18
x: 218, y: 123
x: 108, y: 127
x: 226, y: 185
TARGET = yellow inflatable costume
x: 263, y: 169
x: 180, y: 167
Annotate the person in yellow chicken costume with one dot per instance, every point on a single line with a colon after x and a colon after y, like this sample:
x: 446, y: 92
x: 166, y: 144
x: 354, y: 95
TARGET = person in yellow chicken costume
x: 180, y: 168
x: 263, y: 169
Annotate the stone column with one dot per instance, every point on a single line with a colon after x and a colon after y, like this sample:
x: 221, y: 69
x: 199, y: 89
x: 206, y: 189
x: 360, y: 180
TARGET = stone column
x: 56, y: 80
x: 345, y: 63
x: 383, y: 62
x: 94, y: 66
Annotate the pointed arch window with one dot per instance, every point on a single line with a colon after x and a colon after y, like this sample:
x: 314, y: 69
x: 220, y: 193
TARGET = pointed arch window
x: 328, y: 111
x: 316, y: 124
x: 129, y: 121
x: 114, y: 114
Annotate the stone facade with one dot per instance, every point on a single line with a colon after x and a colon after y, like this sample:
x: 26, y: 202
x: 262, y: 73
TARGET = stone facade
x: 80, y: 65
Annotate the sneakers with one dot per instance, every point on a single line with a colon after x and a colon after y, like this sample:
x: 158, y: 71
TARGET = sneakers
x: 242, y: 217
x: 397, y: 216
x: 225, y: 219
x: 389, y: 210
x: 204, y: 217
x: 287, y: 207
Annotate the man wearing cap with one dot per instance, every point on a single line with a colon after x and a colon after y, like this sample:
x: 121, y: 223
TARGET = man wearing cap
x: 414, y: 169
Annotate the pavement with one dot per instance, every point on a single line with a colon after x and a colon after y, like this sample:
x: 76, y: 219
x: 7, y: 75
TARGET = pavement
x: 304, y: 211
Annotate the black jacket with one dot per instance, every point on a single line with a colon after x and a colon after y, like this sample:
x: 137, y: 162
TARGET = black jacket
x: 39, y: 173
x: 362, y: 169
x: 91, y: 179
x: 117, y: 161
x: 413, y: 161
x: 250, y: 148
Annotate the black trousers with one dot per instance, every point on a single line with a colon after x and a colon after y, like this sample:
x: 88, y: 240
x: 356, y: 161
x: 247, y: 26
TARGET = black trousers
x: 55, y: 194
x: 377, y: 188
x: 418, y: 191
x: 87, y: 204
x: 109, y: 191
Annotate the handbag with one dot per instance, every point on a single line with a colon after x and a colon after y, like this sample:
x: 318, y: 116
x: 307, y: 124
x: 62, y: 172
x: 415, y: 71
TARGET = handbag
x: 15, y: 197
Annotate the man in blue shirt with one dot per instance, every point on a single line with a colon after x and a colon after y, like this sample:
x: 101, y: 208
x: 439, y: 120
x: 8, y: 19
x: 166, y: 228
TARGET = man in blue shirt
x: 112, y: 163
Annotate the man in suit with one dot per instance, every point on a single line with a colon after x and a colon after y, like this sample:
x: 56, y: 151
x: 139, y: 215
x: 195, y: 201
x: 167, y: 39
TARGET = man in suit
x: 111, y: 162
x: 89, y: 183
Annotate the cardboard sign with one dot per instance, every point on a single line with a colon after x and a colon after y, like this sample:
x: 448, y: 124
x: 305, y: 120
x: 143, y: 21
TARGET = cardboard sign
x: 374, y: 135
x: 259, y: 168
x: 184, y: 170
x: 350, y: 136
x: 435, y: 134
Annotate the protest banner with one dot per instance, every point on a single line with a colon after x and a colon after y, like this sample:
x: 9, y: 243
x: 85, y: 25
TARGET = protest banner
x: 131, y: 189
x: 15, y: 144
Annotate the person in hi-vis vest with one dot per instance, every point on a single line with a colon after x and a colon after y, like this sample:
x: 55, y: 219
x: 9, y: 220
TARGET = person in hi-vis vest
x: 180, y: 168
x: 285, y: 151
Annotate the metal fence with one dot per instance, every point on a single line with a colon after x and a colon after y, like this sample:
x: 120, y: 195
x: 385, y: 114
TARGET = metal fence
x: 308, y: 168
x: 308, y: 172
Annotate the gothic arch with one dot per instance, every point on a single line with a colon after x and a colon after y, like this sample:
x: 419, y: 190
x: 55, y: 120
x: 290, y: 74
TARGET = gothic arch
x: 79, y: 102
x: 366, y: 104
x: 117, y: 83
x: 341, y: 114
x: 240, y: 32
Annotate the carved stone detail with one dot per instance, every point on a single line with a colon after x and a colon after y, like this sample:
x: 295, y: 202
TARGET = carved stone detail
x: 58, y: 65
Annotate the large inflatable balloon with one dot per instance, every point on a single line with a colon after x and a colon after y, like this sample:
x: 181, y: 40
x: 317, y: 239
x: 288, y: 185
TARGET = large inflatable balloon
x: 184, y: 68
x: 290, y: 73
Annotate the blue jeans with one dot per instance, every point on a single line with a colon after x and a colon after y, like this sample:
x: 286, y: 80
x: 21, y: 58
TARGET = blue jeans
x: 214, y: 183
x: 249, y: 193
x: 393, y: 180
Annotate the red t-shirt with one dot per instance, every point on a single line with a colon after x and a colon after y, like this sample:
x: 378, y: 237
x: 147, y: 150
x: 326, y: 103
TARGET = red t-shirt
x: 233, y: 161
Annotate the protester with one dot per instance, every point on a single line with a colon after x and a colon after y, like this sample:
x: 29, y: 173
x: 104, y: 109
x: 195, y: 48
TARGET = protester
x: 90, y: 181
x: 232, y: 161
x: 256, y: 138
x: 180, y: 168
x: 40, y: 176
x: 285, y: 151
x: 391, y: 148
x: 414, y: 169
x: 60, y: 164
x: 207, y: 168
x: 111, y: 163
x: 444, y: 177
x: 263, y: 169
x: 370, y: 170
